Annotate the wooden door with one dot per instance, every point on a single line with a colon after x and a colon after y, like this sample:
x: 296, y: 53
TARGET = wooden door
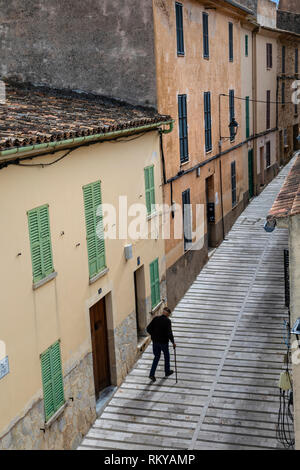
x: 262, y: 167
x: 100, y: 346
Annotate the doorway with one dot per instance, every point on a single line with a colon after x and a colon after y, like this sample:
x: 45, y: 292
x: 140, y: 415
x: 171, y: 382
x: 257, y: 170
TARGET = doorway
x: 295, y: 135
x: 262, y: 166
x: 139, y: 295
x: 210, y: 209
x: 250, y: 174
x: 99, y: 337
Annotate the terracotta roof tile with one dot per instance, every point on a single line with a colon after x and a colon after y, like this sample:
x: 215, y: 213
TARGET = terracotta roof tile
x: 287, y: 202
x: 33, y: 115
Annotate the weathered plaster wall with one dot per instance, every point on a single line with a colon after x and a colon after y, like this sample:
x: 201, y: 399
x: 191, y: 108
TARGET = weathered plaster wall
x: 101, y: 46
x: 266, y: 13
x: 289, y: 5
x: 288, y: 21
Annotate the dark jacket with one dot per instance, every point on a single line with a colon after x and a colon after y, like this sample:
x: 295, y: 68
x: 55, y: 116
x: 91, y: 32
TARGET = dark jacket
x: 160, y: 330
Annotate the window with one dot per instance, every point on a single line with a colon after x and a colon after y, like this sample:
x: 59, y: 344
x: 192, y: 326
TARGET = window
x: 205, y: 36
x: 179, y: 29
x: 40, y: 242
x: 230, y: 42
x: 247, y: 117
x: 52, y: 378
x: 233, y: 183
x: 183, y: 129
x: 269, y: 56
x: 285, y: 138
x: 283, y: 93
x: 187, y: 219
x: 283, y: 59
x: 94, y: 227
x: 268, y: 154
x: 231, y: 113
x: 296, y: 61
x: 154, y: 283
x: 150, y: 189
x: 268, y: 110
x: 207, y: 121
x: 246, y: 45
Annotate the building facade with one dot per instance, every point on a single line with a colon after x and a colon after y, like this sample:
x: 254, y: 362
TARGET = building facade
x: 77, y: 301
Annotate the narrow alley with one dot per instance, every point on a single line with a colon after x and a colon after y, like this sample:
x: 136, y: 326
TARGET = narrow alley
x: 229, y: 331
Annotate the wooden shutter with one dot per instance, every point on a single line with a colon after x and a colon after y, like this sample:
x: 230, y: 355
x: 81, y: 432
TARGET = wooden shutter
x: 179, y: 28
x: 296, y: 60
x: 94, y: 227
x: 268, y: 110
x: 283, y: 59
x: 40, y: 242
x: 246, y: 45
x: 233, y: 183
x: 52, y: 378
x: 207, y: 121
x: 154, y: 283
x: 183, y: 130
x: 187, y: 219
x: 247, y: 117
x: 269, y: 55
x: 205, y: 36
x: 231, y: 112
x: 230, y: 42
x: 149, y: 188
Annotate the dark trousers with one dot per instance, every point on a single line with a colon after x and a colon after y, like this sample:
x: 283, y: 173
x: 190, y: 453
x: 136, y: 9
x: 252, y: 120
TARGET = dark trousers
x: 157, y: 349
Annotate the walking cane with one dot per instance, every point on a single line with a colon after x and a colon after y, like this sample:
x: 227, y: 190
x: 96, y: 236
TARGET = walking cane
x: 175, y: 363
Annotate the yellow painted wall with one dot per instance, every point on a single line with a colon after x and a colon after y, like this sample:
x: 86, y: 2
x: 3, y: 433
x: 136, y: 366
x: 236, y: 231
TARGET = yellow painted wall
x: 31, y: 320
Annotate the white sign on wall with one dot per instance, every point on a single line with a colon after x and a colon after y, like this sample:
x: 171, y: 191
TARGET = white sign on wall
x: 4, y: 364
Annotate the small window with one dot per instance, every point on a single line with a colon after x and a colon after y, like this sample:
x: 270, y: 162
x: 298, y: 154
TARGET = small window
x: 247, y: 117
x: 187, y: 219
x: 296, y: 61
x: 94, y: 227
x: 268, y: 154
x: 52, y: 378
x: 154, y: 283
x: 179, y: 28
x: 207, y: 121
x: 230, y: 42
x: 40, y: 242
x: 246, y: 45
x: 233, y: 183
x: 269, y: 56
x: 183, y: 129
x: 149, y: 189
x: 205, y: 36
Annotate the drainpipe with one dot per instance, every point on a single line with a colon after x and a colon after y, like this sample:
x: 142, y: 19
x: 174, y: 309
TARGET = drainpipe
x: 254, y: 93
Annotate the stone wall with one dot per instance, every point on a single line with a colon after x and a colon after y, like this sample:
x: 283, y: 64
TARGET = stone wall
x: 68, y: 429
x: 290, y: 5
x: 100, y: 46
x: 288, y: 21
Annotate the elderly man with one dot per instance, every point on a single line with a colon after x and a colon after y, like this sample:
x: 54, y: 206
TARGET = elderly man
x: 160, y: 330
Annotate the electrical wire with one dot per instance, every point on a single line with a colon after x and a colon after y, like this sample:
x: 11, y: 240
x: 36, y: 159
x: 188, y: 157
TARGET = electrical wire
x: 254, y: 101
x: 44, y: 164
x: 285, y: 420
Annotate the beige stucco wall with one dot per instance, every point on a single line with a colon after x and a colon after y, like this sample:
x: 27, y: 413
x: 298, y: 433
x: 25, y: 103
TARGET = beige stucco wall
x: 193, y: 75
x: 294, y: 255
x: 32, y: 320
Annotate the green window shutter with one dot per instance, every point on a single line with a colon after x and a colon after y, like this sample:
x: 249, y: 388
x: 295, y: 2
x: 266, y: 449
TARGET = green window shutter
x: 247, y: 117
x: 40, y: 242
x: 154, y: 283
x: 149, y: 188
x: 52, y: 378
x: 94, y: 227
x: 246, y: 45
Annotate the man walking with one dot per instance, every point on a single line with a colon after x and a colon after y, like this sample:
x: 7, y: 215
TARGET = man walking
x: 160, y: 330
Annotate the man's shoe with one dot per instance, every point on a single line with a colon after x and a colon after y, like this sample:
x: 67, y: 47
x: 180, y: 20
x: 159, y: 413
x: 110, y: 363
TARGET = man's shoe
x: 169, y: 373
x: 152, y: 378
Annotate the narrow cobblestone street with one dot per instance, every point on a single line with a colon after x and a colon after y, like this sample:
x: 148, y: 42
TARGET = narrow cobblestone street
x: 230, y: 343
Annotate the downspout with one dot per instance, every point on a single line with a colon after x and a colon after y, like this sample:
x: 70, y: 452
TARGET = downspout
x: 254, y: 92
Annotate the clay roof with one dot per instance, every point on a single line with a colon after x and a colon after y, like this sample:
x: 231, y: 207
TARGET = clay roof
x: 287, y: 202
x: 35, y: 115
